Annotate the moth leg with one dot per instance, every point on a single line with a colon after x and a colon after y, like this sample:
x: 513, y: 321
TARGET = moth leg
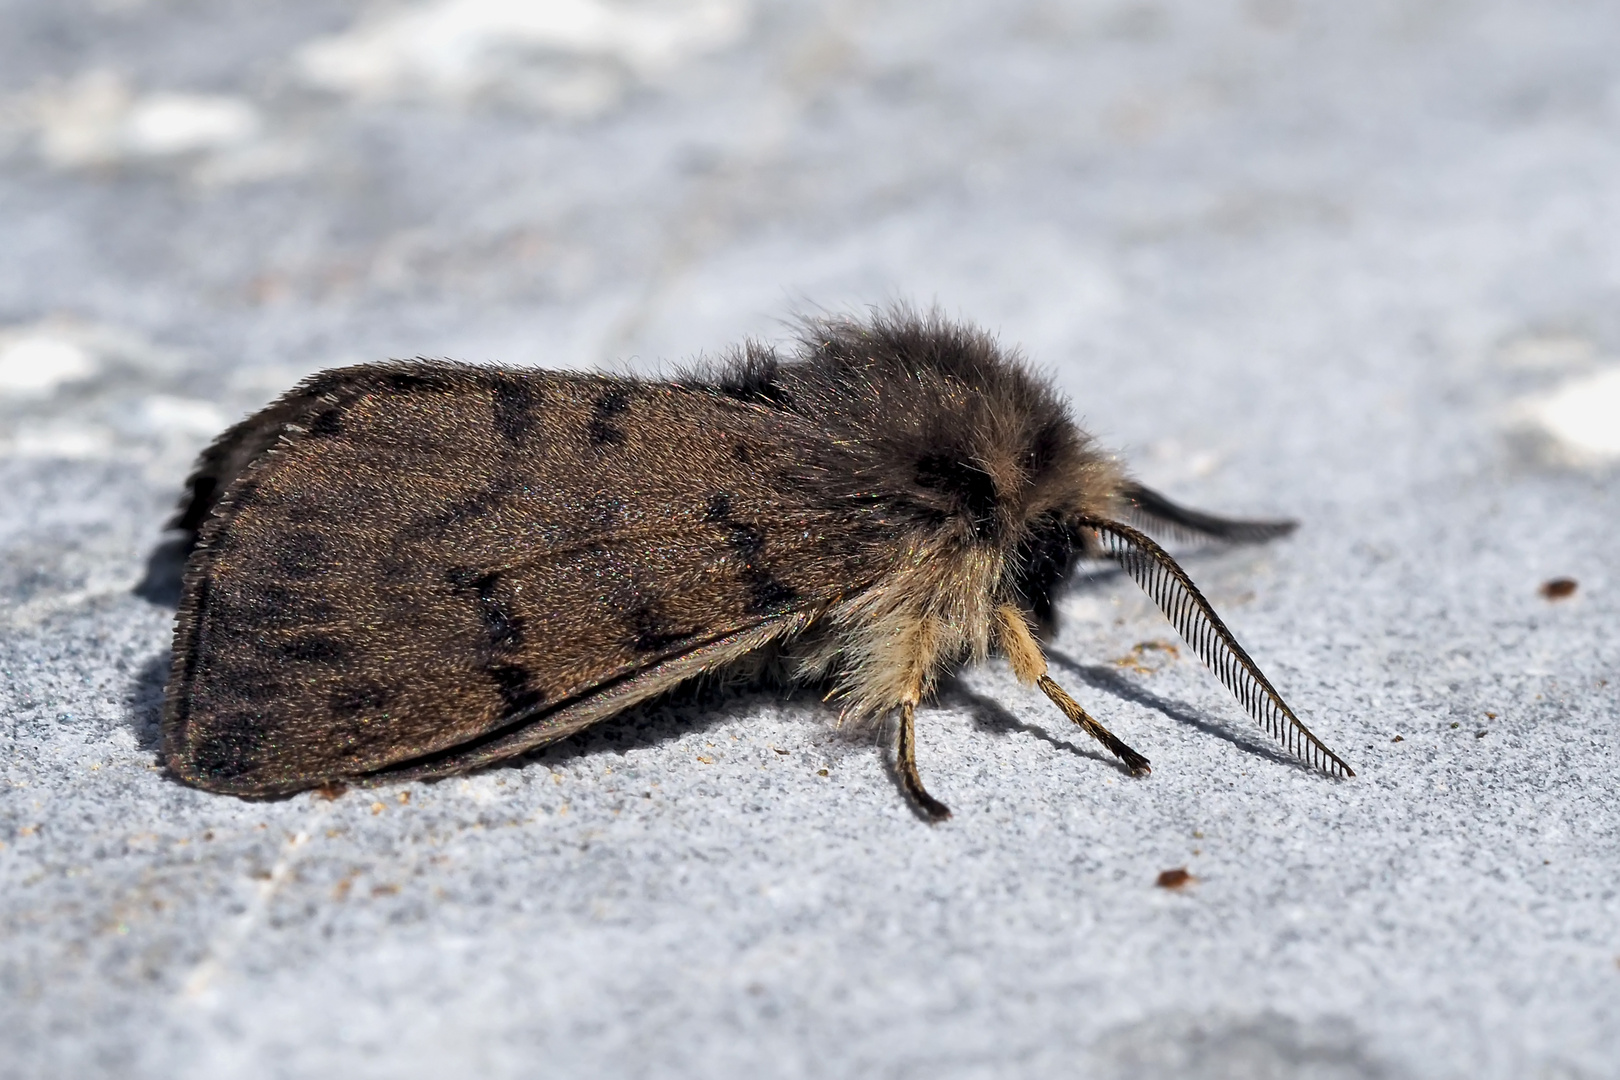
x: 1135, y: 762
x: 1029, y: 664
x: 905, y: 761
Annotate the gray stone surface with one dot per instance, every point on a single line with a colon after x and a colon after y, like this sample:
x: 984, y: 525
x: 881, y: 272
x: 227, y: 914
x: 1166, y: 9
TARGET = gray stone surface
x: 1332, y: 260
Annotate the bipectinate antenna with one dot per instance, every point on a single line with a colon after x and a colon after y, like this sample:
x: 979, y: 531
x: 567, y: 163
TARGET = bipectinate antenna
x: 1168, y: 584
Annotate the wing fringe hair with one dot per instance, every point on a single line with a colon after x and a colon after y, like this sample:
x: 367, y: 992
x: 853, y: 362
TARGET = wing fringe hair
x: 1168, y: 584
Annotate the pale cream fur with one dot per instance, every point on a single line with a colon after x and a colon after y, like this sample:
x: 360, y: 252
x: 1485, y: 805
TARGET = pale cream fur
x: 1016, y: 641
x: 890, y: 642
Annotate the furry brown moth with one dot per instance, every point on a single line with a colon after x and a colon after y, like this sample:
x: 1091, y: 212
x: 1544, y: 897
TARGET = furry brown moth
x: 413, y: 569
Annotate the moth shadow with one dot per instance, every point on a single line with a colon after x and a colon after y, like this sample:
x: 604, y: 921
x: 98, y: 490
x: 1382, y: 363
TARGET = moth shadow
x: 992, y: 716
x: 691, y: 708
x: 143, y: 699
x: 165, y: 570
x: 1109, y: 681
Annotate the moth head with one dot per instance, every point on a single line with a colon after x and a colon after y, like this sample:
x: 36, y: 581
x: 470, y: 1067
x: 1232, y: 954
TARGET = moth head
x: 1017, y: 481
x: 944, y: 431
x: 1053, y: 479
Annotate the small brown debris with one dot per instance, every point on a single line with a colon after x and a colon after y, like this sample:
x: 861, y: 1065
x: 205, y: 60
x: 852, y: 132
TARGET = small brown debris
x: 821, y: 772
x: 1398, y: 738
x: 385, y: 890
x: 377, y: 808
x: 1456, y: 724
x: 1490, y: 716
x: 1137, y: 660
x: 331, y: 791
x: 1559, y: 588
x: 1175, y: 879
x: 404, y: 796
x: 1480, y: 734
x: 784, y: 752
x: 706, y: 760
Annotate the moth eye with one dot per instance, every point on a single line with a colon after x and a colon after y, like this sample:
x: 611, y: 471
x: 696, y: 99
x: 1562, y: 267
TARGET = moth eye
x: 970, y: 486
x: 1044, y: 555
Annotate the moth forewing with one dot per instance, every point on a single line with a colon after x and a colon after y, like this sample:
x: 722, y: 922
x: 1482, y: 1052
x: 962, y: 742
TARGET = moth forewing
x: 411, y: 569
x: 601, y: 702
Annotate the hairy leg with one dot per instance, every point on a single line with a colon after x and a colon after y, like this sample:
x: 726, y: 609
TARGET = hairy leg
x: 905, y: 762
x: 1029, y: 664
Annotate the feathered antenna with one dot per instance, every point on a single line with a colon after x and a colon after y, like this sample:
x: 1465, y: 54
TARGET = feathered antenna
x: 1168, y: 584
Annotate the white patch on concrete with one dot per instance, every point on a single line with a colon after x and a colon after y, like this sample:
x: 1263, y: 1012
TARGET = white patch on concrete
x: 34, y: 363
x: 161, y: 124
x: 78, y: 125
x: 58, y: 440
x: 98, y: 120
x: 1581, y: 418
x: 261, y: 159
x: 1167, y: 462
x: 1550, y: 351
x: 187, y: 416
x: 568, y: 55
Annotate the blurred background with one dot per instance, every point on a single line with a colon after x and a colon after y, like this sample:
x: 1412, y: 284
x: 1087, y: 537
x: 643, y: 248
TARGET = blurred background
x: 1354, y: 263
x: 227, y: 195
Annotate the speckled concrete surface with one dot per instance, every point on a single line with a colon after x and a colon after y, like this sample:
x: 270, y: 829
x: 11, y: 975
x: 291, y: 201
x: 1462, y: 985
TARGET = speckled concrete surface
x: 1353, y: 263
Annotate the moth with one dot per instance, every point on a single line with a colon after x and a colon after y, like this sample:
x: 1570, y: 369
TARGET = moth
x: 412, y: 569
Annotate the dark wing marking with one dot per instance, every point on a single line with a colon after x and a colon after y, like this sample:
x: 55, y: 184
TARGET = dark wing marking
x: 1168, y: 584
x: 1153, y: 513
x: 598, y: 703
x: 315, y: 401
